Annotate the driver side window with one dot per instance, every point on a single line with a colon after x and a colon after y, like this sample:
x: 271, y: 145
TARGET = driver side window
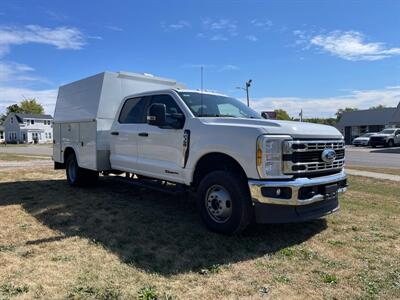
x: 170, y: 104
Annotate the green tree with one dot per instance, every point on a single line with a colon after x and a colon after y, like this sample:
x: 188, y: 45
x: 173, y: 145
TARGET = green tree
x: 340, y: 111
x: 31, y: 106
x: 328, y: 121
x: 282, y: 114
x: 15, y: 108
x: 10, y: 109
x: 380, y: 106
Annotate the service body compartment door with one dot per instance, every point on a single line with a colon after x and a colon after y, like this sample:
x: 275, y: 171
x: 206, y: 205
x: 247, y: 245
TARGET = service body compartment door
x: 87, y: 145
x: 69, y: 136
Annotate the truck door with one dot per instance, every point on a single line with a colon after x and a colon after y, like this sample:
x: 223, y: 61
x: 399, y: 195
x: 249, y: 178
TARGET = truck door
x: 160, y: 150
x: 124, y: 135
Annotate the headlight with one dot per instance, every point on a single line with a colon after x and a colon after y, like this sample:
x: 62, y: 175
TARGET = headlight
x: 269, y: 155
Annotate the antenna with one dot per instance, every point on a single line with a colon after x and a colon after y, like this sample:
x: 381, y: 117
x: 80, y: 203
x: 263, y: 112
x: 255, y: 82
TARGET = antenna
x: 201, y: 78
x: 201, y: 91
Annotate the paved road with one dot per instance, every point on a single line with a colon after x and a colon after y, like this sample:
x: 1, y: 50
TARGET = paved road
x: 31, y: 149
x: 373, y: 157
x: 362, y: 156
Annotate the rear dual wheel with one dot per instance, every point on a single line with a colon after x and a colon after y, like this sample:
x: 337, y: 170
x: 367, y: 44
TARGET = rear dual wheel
x: 77, y: 176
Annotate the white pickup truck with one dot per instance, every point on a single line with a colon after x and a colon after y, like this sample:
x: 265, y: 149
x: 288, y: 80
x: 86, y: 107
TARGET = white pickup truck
x: 241, y: 167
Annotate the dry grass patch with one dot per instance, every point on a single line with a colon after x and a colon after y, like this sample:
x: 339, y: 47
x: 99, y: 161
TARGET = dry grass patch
x: 392, y: 171
x: 21, y: 157
x: 115, y: 241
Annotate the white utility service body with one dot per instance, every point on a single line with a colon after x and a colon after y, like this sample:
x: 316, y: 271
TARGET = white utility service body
x: 241, y: 167
x: 86, y: 110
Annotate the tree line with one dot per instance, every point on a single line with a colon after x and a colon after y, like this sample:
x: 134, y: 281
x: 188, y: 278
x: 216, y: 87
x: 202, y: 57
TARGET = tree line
x: 26, y: 106
x: 281, y: 114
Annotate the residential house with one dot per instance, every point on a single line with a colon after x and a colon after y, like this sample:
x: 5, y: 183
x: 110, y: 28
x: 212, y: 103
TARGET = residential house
x: 356, y: 123
x: 28, y: 128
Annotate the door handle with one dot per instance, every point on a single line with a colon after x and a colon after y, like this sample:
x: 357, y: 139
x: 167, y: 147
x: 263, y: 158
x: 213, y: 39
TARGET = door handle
x: 114, y: 133
x: 143, y: 134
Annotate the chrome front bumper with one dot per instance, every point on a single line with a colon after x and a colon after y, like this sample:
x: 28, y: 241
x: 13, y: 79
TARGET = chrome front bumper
x: 295, y: 185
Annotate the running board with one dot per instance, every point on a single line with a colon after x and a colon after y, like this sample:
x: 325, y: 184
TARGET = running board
x: 155, y: 184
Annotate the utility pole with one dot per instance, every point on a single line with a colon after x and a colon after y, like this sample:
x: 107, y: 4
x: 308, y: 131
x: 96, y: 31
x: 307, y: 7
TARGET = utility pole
x: 301, y: 115
x: 246, y: 88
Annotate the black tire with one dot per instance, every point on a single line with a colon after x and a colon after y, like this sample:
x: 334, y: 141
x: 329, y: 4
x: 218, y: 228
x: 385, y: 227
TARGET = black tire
x: 390, y: 144
x: 77, y: 176
x: 239, y: 196
x: 373, y: 146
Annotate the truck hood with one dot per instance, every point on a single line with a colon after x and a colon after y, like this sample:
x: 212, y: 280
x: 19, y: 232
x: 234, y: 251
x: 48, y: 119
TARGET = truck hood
x: 295, y: 129
x: 382, y: 135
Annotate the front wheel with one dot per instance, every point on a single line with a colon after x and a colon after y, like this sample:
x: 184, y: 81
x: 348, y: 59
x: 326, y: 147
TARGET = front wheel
x: 390, y: 144
x: 224, y: 202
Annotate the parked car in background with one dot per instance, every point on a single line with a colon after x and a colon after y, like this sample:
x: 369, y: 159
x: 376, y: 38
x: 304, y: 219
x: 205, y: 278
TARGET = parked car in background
x: 363, y: 140
x: 388, y: 137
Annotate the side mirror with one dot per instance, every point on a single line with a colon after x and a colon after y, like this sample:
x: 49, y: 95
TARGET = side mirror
x: 156, y: 115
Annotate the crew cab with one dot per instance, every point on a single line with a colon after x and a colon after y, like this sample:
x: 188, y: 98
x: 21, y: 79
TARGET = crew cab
x: 240, y: 167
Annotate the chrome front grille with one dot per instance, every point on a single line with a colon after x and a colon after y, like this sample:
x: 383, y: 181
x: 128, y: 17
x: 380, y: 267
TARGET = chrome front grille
x: 306, y: 156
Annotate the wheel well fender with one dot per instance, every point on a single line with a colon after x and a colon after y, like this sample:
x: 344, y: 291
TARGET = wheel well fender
x: 216, y: 161
x: 67, y: 152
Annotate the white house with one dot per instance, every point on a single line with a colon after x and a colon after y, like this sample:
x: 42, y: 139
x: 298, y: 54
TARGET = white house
x: 28, y: 128
x: 2, y: 134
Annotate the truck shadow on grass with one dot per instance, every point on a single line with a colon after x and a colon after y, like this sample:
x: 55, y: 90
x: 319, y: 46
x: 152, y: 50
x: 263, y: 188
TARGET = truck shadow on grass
x: 149, y: 230
x: 387, y: 150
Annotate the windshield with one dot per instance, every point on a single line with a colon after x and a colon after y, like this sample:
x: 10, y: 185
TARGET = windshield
x: 206, y: 105
x: 388, y: 131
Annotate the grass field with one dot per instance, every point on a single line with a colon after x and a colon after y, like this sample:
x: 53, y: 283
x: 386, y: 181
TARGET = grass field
x: 115, y: 241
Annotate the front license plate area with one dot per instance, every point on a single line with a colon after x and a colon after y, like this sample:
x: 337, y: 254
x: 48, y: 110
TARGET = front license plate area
x: 331, y: 192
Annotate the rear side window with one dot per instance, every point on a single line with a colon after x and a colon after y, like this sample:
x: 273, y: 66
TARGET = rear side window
x: 133, y: 111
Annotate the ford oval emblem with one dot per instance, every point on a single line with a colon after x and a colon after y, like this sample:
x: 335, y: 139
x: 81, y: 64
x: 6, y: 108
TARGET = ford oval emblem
x: 328, y: 156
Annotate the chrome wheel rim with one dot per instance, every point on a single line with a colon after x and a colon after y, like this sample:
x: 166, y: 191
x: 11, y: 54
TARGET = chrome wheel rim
x: 218, y: 204
x: 72, y: 170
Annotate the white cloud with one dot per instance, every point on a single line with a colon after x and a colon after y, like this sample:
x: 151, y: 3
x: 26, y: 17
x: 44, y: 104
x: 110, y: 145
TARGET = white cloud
x: 229, y: 68
x: 12, y: 95
x: 219, y: 30
x: 351, y: 45
x: 326, y: 107
x: 219, y: 37
x: 13, y: 71
x: 252, y: 38
x: 60, y: 37
x: 114, y: 28
x: 95, y: 37
x: 266, y: 24
x: 182, y: 24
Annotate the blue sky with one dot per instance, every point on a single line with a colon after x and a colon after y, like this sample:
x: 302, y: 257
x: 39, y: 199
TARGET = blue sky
x: 312, y: 55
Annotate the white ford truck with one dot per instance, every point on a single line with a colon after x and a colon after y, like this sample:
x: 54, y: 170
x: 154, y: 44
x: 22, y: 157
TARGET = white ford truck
x: 241, y: 167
